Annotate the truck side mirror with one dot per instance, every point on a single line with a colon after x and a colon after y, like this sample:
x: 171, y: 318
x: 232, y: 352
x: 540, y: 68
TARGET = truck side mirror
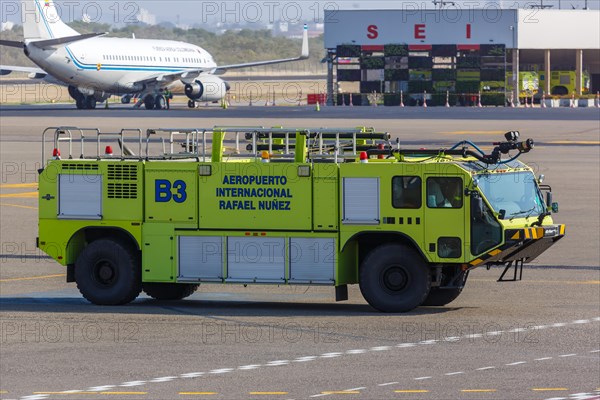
x: 555, y: 207
x: 549, y: 199
x: 476, y: 205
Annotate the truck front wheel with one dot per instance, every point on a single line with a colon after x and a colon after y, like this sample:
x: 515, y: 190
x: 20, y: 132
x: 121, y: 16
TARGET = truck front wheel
x: 394, y: 278
x: 169, y: 291
x: 441, y: 297
x: 108, y: 272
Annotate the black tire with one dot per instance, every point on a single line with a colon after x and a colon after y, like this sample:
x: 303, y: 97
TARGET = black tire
x: 108, y: 272
x: 160, y: 103
x: 560, y: 91
x: 80, y: 103
x: 394, y: 278
x: 191, y: 104
x: 169, y: 291
x: 126, y: 99
x: 441, y: 297
x: 90, y: 102
x: 149, y: 102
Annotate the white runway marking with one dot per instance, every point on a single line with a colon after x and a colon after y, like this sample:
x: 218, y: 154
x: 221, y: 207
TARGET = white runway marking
x: 339, y: 354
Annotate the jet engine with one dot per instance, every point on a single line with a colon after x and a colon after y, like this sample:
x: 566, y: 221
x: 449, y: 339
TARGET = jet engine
x: 207, y: 88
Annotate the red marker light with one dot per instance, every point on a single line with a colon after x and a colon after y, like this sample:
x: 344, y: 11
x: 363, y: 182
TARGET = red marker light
x: 380, y: 146
x: 108, y: 151
x: 56, y: 153
x: 364, y: 158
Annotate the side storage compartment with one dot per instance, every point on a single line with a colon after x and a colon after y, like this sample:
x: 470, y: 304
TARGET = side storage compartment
x: 200, y: 258
x: 230, y: 258
x: 158, y: 246
x: 325, y: 197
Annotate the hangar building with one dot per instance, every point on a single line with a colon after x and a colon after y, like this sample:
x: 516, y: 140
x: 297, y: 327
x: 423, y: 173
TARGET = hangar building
x: 504, y: 54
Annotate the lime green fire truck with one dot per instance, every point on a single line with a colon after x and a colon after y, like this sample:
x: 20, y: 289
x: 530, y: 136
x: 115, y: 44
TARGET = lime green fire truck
x: 254, y: 205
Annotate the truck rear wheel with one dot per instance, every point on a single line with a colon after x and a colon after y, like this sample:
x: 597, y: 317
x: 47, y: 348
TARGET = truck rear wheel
x: 108, y: 272
x: 394, y: 278
x: 169, y: 291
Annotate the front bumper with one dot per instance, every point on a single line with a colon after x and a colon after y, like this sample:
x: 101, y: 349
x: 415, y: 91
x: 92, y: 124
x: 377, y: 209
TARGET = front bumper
x: 524, y: 244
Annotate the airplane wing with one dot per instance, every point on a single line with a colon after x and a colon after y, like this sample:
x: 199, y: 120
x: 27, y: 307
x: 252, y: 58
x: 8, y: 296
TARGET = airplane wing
x: 165, y: 79
x: 11, y: 43
x: 303, y: 56
x: 34, y: 73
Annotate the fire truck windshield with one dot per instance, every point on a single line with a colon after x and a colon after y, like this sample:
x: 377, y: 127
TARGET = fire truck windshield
x: 515, y: 193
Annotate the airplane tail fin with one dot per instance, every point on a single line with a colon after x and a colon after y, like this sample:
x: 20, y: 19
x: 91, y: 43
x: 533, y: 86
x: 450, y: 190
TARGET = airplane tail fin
x: 41, y: 21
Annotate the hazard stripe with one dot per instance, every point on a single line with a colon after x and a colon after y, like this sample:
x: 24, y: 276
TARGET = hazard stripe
x: 562, y: 229
x: 539, y: 233
x: 494, y: 252
x: 516, y: 236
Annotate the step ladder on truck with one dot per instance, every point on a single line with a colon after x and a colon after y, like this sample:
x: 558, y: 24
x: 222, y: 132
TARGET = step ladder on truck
x: 175, y: 208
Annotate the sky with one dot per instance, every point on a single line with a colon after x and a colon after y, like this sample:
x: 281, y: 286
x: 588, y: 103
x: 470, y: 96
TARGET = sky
x: 210, y: 13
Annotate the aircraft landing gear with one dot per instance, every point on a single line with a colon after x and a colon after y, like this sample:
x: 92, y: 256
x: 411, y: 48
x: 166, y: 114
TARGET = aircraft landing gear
x: 86, y: 102
x: 149, y: 102
x: 155, y: 102
x: 191, y: 104
x: 90, y: 102
x: 160, y: 102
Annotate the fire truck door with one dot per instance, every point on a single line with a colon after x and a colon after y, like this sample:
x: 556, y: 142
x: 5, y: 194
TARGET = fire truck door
x: 444, y: 218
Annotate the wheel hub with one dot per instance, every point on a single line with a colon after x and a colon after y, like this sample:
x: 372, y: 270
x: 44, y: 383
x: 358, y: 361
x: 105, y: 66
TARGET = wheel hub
x: 104, y: 272
x: 395, y: 279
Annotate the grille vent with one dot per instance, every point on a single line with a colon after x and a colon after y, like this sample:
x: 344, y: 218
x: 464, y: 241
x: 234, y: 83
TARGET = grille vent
x: 79, y: 167
x: 117, y: 172
x: 122, y: 191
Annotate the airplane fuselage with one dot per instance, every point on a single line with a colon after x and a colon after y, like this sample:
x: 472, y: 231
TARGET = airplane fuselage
x: 117, y: 65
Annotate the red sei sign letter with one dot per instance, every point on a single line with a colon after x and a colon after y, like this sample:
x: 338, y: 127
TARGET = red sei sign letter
x: 373, y: 33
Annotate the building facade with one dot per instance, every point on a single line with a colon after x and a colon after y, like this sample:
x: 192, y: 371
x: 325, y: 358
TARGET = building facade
x: 502, y: 54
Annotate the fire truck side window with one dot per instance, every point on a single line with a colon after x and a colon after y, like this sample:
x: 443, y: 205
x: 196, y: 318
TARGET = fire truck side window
x: 444, y: 193
x: 406, y: 192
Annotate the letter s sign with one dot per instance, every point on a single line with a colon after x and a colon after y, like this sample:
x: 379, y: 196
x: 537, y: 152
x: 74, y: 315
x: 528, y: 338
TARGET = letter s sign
x: 373, y: 33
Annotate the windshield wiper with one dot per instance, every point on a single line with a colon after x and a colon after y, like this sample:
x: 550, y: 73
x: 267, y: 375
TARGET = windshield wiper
x: 512, y: 216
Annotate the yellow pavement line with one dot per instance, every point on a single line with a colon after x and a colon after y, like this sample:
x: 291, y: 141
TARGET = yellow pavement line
x: 412, y: 391
x: 25, y: 195
x: 30, y: 278
x: 3, y: 391
x: 478, y: 390
x: 18, y: 206
x: 267, y: 393
x: 595, y: 142
x: 197, y: 393
x: 548, y: 389
x: 18, y: 185
x: 473, y: 132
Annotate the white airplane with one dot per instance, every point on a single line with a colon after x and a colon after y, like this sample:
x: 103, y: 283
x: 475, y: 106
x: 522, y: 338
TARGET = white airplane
x: 95, y: 67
